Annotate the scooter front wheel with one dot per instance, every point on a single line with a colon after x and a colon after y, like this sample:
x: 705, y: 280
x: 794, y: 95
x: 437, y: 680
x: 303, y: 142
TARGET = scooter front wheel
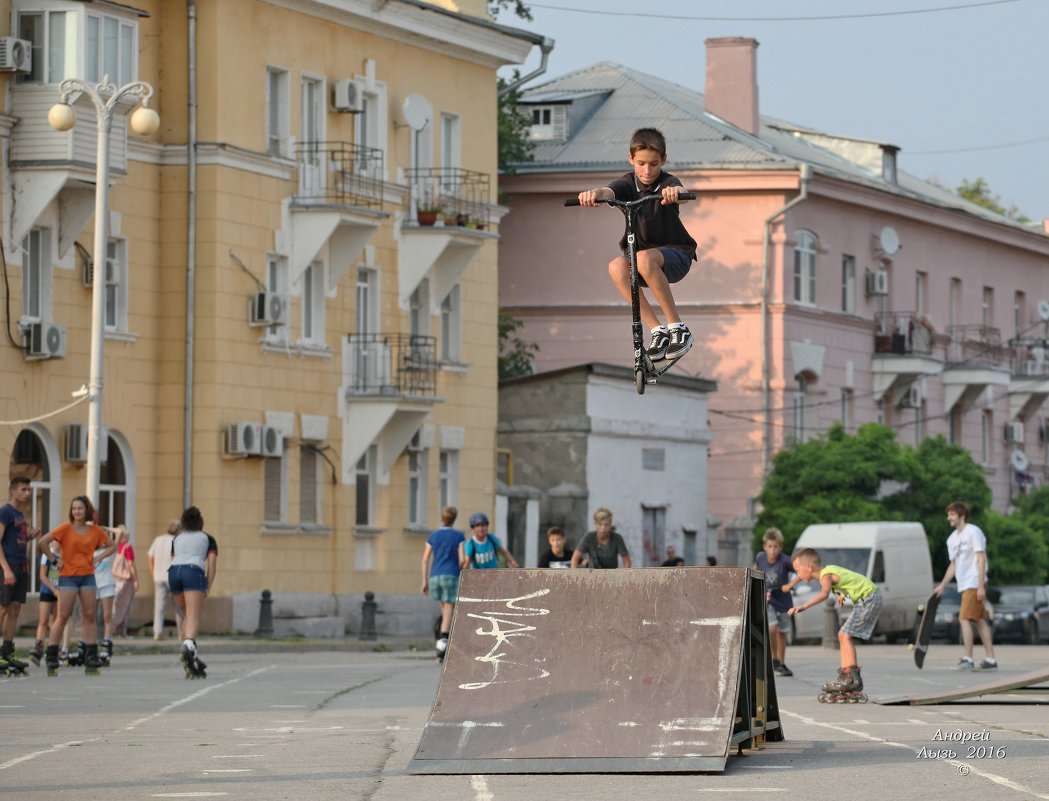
x: 639, y: 381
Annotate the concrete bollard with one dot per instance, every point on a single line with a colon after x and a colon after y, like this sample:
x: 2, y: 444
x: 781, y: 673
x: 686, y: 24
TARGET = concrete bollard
x: 368, y: 609
x: 265, y: 628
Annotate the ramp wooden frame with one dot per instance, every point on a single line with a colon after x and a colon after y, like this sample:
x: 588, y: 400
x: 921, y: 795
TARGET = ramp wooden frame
x: 603, y: 671
x: 1025, y: 684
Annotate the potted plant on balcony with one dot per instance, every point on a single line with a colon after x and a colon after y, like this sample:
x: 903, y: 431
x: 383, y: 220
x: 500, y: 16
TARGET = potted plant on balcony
x: 427, y: 212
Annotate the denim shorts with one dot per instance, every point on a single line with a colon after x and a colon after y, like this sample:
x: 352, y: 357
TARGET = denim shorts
x: 777, y: 619
x: 444, y: 588
x: 186, y: 577
x: 864, y: 616
x: 77, y: 582
x: 676, y: 264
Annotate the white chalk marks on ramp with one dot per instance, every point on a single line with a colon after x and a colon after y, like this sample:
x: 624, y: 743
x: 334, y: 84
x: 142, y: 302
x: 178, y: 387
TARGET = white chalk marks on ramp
x: 506, y: 619
x: 727, y: 628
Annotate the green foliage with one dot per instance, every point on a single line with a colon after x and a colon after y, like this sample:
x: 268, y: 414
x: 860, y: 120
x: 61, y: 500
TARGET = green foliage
x: 1015, y: 552
x: 514, y: 145
x: 979, y: 192
x: 1033, y: 510
x: 518, y: 6
x: 515, y: 356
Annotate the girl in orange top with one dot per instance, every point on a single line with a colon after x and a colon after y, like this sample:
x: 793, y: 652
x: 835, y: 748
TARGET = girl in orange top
x: 78, y: 539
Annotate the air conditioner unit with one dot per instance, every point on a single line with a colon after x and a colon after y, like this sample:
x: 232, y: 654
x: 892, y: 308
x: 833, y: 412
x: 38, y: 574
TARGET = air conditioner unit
x: 1014, y: 432
x: 16, y: 55
x: 45, y: 341
x: 877, y: 282
x: 265, y: 308
x: 347, y: 96
x: 272, y: 441
x: 76, y: 443
x: 912, y: 397
x: 89, y: 273
x: 244, y: 439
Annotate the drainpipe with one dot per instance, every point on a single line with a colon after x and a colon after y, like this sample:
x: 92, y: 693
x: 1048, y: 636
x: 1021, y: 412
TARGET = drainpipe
x: 545, y: 48
x: 805, y: 175
x: 191, y: 254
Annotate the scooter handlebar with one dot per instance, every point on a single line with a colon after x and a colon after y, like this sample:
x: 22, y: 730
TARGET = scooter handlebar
x: 684, y: 195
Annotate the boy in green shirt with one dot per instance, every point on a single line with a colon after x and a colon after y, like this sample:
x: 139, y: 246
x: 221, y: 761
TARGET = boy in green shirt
x: 867, y: 601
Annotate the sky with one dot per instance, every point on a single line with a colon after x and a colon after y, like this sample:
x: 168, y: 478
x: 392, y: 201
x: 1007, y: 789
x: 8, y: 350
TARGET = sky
x: 962, y: 86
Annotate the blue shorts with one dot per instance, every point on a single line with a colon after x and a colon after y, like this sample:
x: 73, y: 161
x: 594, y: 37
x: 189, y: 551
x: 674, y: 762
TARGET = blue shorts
x: 77, y: 582
x: 676, y: 264
x: 444, y: 588
x: 186, y: 577
x: 777, y: 619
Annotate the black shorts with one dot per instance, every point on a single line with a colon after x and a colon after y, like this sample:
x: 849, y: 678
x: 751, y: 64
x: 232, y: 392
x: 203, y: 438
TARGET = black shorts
x: 17, y: 592
x: 676, y: 265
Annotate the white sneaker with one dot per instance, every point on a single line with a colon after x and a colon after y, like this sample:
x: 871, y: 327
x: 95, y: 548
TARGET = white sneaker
x: 442, y: 645
x: 965, y: 663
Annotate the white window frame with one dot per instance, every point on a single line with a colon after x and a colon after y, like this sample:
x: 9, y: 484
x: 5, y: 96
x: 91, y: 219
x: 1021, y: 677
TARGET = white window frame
x: 1019, y: 304
x: 46, y: 70
x: 313, y: 303
x: 419, y: 310
x: 37, y: 276
x: 921, y: 292
x: 311, y: 486
x: 448, y: 477
x: 418, y: 481
x: 278, y: 111
x: 275, y: 489
x: 116, y: 305
x: 122, y: 66
x: 451, y: 146
x: 987, y: 307
x: 549, y: 123
x: 277, y: 284
x: 451, y: 326
x: 312, y: 127
x: 805, y: 246
x: 848, y: 283
x: 986, y: 437
x: 954, y: 301
x: 366, y: 471
x: 370, y: 126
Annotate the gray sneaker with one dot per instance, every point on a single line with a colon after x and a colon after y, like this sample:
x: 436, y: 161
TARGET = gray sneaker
x: 965, y: 663
x: 989, y: 664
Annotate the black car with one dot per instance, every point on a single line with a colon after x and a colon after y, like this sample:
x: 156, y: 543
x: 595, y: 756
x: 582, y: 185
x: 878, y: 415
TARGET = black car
x: 946, y: 627
x: 1021, y: 613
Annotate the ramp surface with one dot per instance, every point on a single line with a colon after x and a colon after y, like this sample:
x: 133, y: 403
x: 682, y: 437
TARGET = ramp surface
x: 601, y: 671
x: 1024, y: 683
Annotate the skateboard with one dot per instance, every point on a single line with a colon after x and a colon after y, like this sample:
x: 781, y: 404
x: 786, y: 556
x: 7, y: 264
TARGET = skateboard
x: 922, y: 633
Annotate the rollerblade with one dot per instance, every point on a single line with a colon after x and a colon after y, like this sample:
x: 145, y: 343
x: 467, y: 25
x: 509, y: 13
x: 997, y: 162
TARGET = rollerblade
x: 442, y: 647
x: 75, y: 658
x: 105, y: 652
x: 52, y: 660
x: 191, y: 663
x: 848, y: 689
x: 92, y: 662
x: 9, y: 664
x: 37, y: 653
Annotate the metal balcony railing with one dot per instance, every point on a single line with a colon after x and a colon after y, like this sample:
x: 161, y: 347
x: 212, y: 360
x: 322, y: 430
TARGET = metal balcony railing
x: 1030, y: 357
x: 975, y: 346
x: 340, y: 174
x: 451, y: 195
x: 392, y: 364
x: 903, y: 333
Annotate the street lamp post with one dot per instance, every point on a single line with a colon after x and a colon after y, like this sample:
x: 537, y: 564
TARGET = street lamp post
x: 144, y: 121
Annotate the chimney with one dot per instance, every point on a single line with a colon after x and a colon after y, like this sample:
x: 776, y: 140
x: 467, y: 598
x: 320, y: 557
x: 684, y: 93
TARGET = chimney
x: 732, y: 81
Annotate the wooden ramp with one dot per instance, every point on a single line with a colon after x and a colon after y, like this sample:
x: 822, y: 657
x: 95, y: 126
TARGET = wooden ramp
x: 1029, y: 684
x: 602, y: 671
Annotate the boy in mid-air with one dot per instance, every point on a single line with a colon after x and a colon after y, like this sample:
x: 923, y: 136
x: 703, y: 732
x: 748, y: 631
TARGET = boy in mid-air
x: 867, y: 601
x: 665, y: 249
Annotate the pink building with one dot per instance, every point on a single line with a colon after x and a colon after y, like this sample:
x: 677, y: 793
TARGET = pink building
x: 831, y: 285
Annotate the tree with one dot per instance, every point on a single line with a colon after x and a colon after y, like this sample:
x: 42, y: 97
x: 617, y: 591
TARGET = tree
x: 979, y: 192
x: 518, y: 6
x: 515, y: 355
x: 514, y: 145
x: 1033, y: 510
x: 1015, y: 553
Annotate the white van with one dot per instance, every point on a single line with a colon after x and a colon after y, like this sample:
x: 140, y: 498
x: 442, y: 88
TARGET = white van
x: 895, y: 556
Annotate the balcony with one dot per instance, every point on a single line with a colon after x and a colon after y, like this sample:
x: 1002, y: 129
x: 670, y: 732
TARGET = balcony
x: 439, y: 247
x: 976, y: 359
x: 903, y: 353
x: 339, y: 174
x: 1029, y: 377
x: 390, y: 386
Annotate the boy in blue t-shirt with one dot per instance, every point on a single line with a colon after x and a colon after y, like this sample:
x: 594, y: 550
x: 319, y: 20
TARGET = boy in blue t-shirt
x: 482, y: 550
x: 777, y: 568
x: 441, y: 579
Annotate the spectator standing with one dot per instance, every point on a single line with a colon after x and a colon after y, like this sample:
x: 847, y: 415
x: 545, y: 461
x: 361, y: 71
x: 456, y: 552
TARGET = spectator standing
x: 482, y: 550
x: 159, y: 557
x: 126, y: 575
x: 14, y: 561
x: 603, y: 547
x: 558, y: 554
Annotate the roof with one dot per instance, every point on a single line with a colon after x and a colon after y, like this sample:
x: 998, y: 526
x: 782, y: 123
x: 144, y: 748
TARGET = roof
x: 699, y: 140
x: 616, y: 371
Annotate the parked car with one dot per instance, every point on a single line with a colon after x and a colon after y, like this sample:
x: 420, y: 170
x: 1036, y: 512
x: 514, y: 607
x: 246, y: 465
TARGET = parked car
x: 808, y: 626
x: 946, y: 626
x: 1021, y: 613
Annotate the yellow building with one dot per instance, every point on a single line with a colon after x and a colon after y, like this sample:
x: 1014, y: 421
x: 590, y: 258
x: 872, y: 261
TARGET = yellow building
x: 270, y: 288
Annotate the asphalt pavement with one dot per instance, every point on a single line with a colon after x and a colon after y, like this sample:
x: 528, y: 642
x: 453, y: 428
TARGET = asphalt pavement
x: 341, y: 720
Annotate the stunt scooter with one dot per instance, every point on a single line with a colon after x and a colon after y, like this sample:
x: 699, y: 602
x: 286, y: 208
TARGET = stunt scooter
x: 645, y: 370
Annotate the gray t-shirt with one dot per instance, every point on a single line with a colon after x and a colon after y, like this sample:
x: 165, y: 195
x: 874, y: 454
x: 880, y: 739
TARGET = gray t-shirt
x: 192, y: 548
x: 604, y: 556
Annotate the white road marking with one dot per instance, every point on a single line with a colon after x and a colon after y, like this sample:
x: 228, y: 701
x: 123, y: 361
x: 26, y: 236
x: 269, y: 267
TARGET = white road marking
x: 236, y: 756
x: 741, y: 789
x: 768, y: 767
x: 288, y: 706
x: 228, y: 770
x: 188, y: 795
x: 18, y: 760
x: 480, y: 787
x: 991, y: 777
x: 13, y: 706
x: 193, y: 697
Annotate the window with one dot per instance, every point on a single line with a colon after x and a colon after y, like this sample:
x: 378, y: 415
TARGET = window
x: 549, y: 123
x: 986, y: 441
x: 109, y: 49
x: 311, y: 135
x: 805, y: 268
x: 921, y: 293
x: 369, y: 126
x: 275, y: 498
x: 278, y: 124
x: 277, y: 284
x: 451, y: 147
x: 448, y: 481
x: 987, y: 307
x: 419, y: 310
x: 116, y: 285
x: 112, y: 485
x: 367, y: 297
x: 954, y: 302
x: 954, y: 426
x: 848, y: 284
x: 1019, y: 304
x: 36, y: 276
x: 846, y: 408
x: 50, y: 33
x: 310, y: 486
x: 365, y: 489
x: 804, y: 412
x: 451, y: 326
x: 313, y: 304
x: 418, y: 456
